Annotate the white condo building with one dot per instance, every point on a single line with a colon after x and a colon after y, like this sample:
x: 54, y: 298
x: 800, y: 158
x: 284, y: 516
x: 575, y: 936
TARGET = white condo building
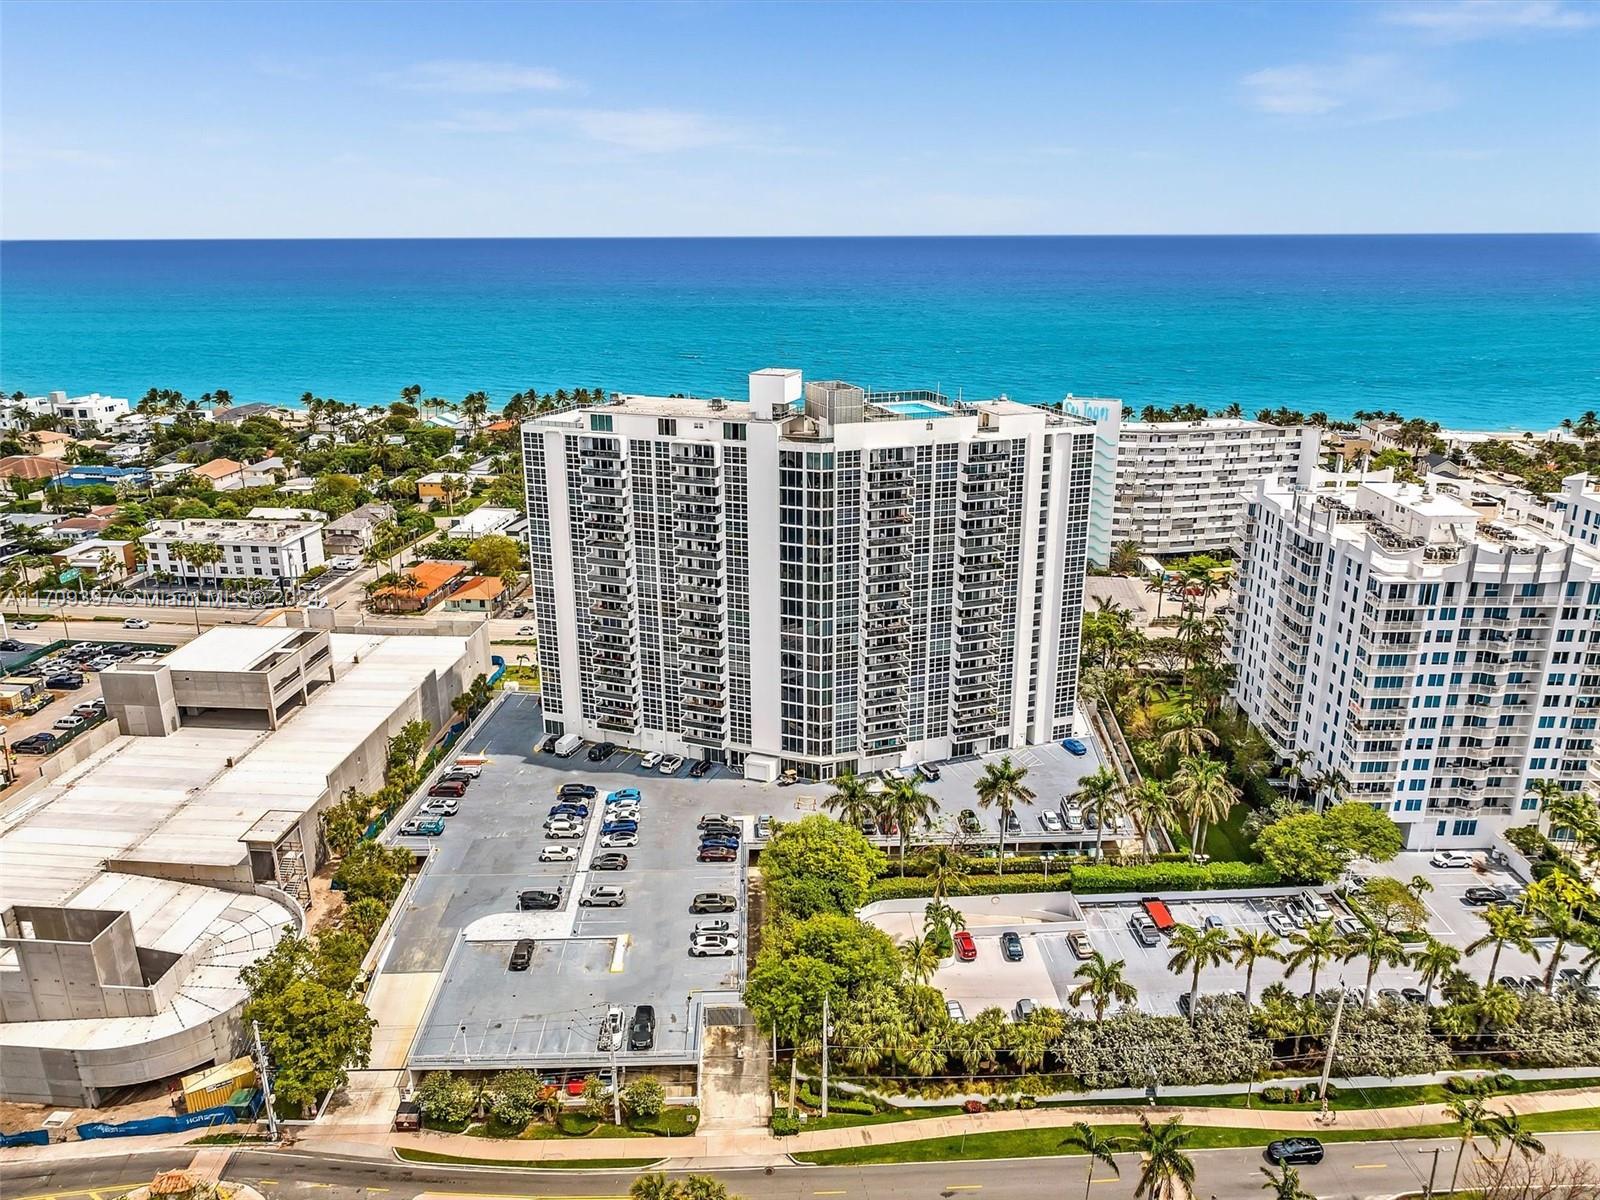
x: 250, y: 549
x: 1183, y: 486
x: 1577, y: 509
x: 78, y: 413
x: 854, y: 581
x: 1437, y: 654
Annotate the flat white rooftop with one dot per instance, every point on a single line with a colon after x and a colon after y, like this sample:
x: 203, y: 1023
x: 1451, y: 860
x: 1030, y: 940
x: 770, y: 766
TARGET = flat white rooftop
x: 230, y: 648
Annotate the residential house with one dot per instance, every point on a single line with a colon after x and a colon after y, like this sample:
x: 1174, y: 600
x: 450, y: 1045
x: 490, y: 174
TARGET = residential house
x: 86, y: 476
x: 31, y: 467
x: 266, y: 472
x: 168, y: 472
x: 225, y: 474
x: 423, y: 585
x: 482, y: 469
x: 48, y: 443
x: 355, y: 532
x: 77, y: 413
x: 96, y: 556
x: 76, y: 529
x: 482, y: 520
x: 300, y: 485
x: 442, y: 487
x: 477, y: 594
x: 289, y: 418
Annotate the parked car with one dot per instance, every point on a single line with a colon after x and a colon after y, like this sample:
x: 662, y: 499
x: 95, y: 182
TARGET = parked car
x: 642, y: 1029
x: 11, y: 645
x: 1413, y: 995
x: 70, y: 723
x: 1349, y: 926
x: 624, y: 794
x: 1144, y: 930
x: 928, y: 771
x: 713, y: 819
x: 731, y: 845
x: 91, y: 710
x: 609, y: 862
x: 64, y: 682
x: 548, y: 746
x: 1450, y: 860
x: 611, y: 1029
x: 1011, y: 946
x: 470, y: 770
x: 577, y: 791
x: 558, y: 854
x: 538, y: 898
x: 1391, y: 995
x: 623, y: 812
x: 969, y: 821
x: 604, y: 895
x: 1074, y: 747
x: 966, y: 948
x: 1296, y: 1151
x: 521, y: 955
x: 651, y: 760
x: 1280, y: 924
x: 713, y: 902
x: 701, y: 768
x: 954, y: 1011
x: 1051, y: 822
x: 448, y: 787
x: 1296, y: 912
x: 104, y: 663
x: 601, y: 751
x: 1081, y: 946
x: 1023, y: 1010
x: 717, y: 854
x: 713, y: 945
x: 716, y: 926
x: 1477, y: 897
x: 343, y: 562
x: 444, y: 806
x: 891, y: 775
x: 620, y: 827
x: 564, y: 830
x: 619, y: 841
x: 454, y: 776
x: 1185, y: 1004
x: 764, y: 826
x: 422, y: 827
x: 136, y: 623
x: 568, y: 808
x: 670, y: 764
x: 1073, y: 816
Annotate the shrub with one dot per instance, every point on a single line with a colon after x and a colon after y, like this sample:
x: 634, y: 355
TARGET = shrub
x: 783, y: 1125
x: 446, y: 1098
x: 644, y: 1097
x: 1274, y: 1095
x: 513, y: 1098
x: 1171, y: 877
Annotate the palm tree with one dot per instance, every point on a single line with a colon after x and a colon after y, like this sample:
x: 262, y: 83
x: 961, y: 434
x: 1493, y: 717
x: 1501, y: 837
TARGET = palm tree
x: 1315, y: 945
x: 1203, y: 793
x: 851, y: 799
x: 909, y: 805
x: 946, y: 865
x: 1506, y: 926
x: 1380, y: 948
x: 1250, y: 947
x: 1186, y: 732
x: 1195, y: 949
x: 1085, y: 1140
x: 1558, y: 901
x: 1097, y: 793
x: 1497, y: 1008
x: 1518, y: 1138
x: 1434, y: 960
x: 475, y: 407
x: 1471, y: 1119
x: 1150, y: 807
x: 654, y: 1186
x: 920, y: 956
x: 1296, y: 770
x: 1285, y: 1185
x: 1001, y: 787
x: 1167, y: 1173
x: 1102, y: 983
x: 1332, y: 784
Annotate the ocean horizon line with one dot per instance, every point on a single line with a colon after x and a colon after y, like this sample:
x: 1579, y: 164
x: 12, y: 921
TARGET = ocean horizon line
x: 804, y: 237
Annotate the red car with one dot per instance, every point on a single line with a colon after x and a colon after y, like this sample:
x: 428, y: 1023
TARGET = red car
x: 966, y: 948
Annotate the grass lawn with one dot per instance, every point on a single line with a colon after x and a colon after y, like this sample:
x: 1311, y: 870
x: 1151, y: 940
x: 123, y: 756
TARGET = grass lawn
x: 1032, y: 1143
x: 674, y: 1121
x: 892, y: 1117
x: 570, y: 1164
x: 1385, y: 1097
x: 1227, y: 840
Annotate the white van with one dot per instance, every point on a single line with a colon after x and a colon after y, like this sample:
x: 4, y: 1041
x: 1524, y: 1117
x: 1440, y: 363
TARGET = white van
x: 1315, y: 905
x: 568, y: 746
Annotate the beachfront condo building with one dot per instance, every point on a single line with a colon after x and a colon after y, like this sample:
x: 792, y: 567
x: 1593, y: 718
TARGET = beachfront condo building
x: 1577, y: 509
x: 819, y: 579
x: 1437, y: 654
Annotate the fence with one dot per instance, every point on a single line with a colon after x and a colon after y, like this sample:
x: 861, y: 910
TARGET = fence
x: 220, y: 1114
x: 33, y: 1137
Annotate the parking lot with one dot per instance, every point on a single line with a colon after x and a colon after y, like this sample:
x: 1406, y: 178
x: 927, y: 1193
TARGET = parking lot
x: 1046, y: 972
x: 461, y: 922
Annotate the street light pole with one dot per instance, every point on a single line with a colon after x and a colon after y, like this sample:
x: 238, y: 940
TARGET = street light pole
x: 266, y: 1081
x: 824, y: 1054
x: 616, y: 1083
x: 1327, y: 1061
x: 1427, y: 1192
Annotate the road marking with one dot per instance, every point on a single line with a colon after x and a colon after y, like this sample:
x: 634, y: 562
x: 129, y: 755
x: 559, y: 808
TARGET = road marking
x: 964, y: 1187
x: 835, y: 1192
x: 1370, y: 1167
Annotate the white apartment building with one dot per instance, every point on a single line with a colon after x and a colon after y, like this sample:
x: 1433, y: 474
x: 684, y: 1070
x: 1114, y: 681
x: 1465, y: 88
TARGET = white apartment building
x: 249, y: 549
x: 77, y: 413
x: 859, y: 581
x: 1183, y: 486
x: 1577, y: 509
x: 1439, y: 661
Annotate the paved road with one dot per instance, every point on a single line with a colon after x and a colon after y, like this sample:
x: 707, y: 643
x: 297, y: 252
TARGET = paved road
x: 1353, y: 1171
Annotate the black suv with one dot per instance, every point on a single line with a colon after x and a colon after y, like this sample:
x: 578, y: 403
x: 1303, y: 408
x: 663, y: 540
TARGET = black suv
x: 1295, y: 1151
x: 521, y: 955
x: 713, y: 902
x: 537, y: 898
x: 37, y: 743
x: 601, y: 751
x: 584, y: 790
x: 1477, y: 897
x: 642, y: 1030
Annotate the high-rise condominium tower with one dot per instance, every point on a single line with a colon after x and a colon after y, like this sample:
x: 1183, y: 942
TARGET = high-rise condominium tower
x: 852, y: 581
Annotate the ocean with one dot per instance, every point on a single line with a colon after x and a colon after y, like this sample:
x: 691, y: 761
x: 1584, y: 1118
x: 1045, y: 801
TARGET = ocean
x: 1471, y: 331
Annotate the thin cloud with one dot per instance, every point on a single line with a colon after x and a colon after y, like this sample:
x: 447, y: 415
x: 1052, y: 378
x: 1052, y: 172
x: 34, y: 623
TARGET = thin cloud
x: 1367, y: 87
x: 644, y: 130
x: 1476, y: 20
x: 469, y: 77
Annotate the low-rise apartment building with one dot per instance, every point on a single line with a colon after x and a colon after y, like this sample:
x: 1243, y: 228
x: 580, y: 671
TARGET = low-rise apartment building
x: 1439, y: 661
x: 281, y: 550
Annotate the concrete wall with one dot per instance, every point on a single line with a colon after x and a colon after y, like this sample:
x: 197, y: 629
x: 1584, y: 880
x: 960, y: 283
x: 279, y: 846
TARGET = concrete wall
x: 141, y: 700
x: 72, y: 964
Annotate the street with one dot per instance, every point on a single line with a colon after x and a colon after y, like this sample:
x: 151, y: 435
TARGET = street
x: 1351, y: 1171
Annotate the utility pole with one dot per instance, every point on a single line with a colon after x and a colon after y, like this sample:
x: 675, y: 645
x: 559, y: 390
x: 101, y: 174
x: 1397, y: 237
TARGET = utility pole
x: 1327, y: 1061
x: 616, y: 1083
x: 824, y: 1054
x: 1427, y: 1193
x: 266, y: 1081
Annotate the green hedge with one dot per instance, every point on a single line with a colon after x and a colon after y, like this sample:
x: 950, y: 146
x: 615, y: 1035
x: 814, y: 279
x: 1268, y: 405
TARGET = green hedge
x: 1093, y: 880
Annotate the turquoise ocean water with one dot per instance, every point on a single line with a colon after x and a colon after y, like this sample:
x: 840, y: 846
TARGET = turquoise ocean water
x: 1473, y: 331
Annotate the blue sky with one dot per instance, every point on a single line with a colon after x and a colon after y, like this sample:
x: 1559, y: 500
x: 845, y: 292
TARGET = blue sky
x: 325, y: 119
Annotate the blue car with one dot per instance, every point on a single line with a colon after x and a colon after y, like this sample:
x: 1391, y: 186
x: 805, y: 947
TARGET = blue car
x: 1074, y: 747
x: 724, y: 843
x: 622, y: 794
x: 569, y: 810
x: 620, y: 827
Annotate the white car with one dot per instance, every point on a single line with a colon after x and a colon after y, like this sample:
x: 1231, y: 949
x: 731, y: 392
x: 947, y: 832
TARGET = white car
x: 136, y: 623
x: 712, y: 927
x: 1074, y: 817
x: 472, y: 769
x: 611, y: 1029
x: 1051, y: 822
x: 651, y: 760
x: 527, y: 631
x: 891, y: 775
x: 344, y: 562
x: 670, y: 765
x: 622, y: 812
x: 564, y: 830
x: 605, y: 895
x: 1278, y: 923
x: 558, y: 854
x: 1450, y: 858
x: 713, y: 945
x: 69, y: 723
x: 619, y: 841
x: 442, y: 806
x: 24, y: 624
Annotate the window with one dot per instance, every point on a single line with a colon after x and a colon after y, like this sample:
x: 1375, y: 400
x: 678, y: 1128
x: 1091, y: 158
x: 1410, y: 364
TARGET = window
x: 666, y: 426
x: 733, y: 431
x: 600, y: 422
x: 1463, y: 828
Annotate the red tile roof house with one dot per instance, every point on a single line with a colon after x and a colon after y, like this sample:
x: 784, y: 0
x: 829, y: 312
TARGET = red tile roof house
x: 431, y: 581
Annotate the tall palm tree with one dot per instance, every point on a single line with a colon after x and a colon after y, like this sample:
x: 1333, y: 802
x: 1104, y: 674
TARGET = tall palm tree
x: 1150, y: 807
x: 1186, y: 731
x: 1506, y: 927
x: 1558, y: 901
x: 1098, y: 795
x: 1085, y: 1140
x: 1167, y: 1173
x: 1518, y: 1139
x: 1331, y: 783
x: 1285, y: 1185
x: 1380, y: 948
x: 1315, y: 945
x: 1001, y: 787
x: 1193, y: 950
x: 1472, y: 1120
x: 1102, y: 983
x: 1296, y: 770
x: 851, y: 799
x: 920, y: 956
x: 1203, y: 793
x: 909, y: 805
x: 1250, y: 947
x: 1434, y: 960
x: 654, y: 1186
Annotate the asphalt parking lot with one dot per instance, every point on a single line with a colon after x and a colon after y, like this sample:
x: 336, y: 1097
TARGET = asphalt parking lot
x: 462, y: 919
